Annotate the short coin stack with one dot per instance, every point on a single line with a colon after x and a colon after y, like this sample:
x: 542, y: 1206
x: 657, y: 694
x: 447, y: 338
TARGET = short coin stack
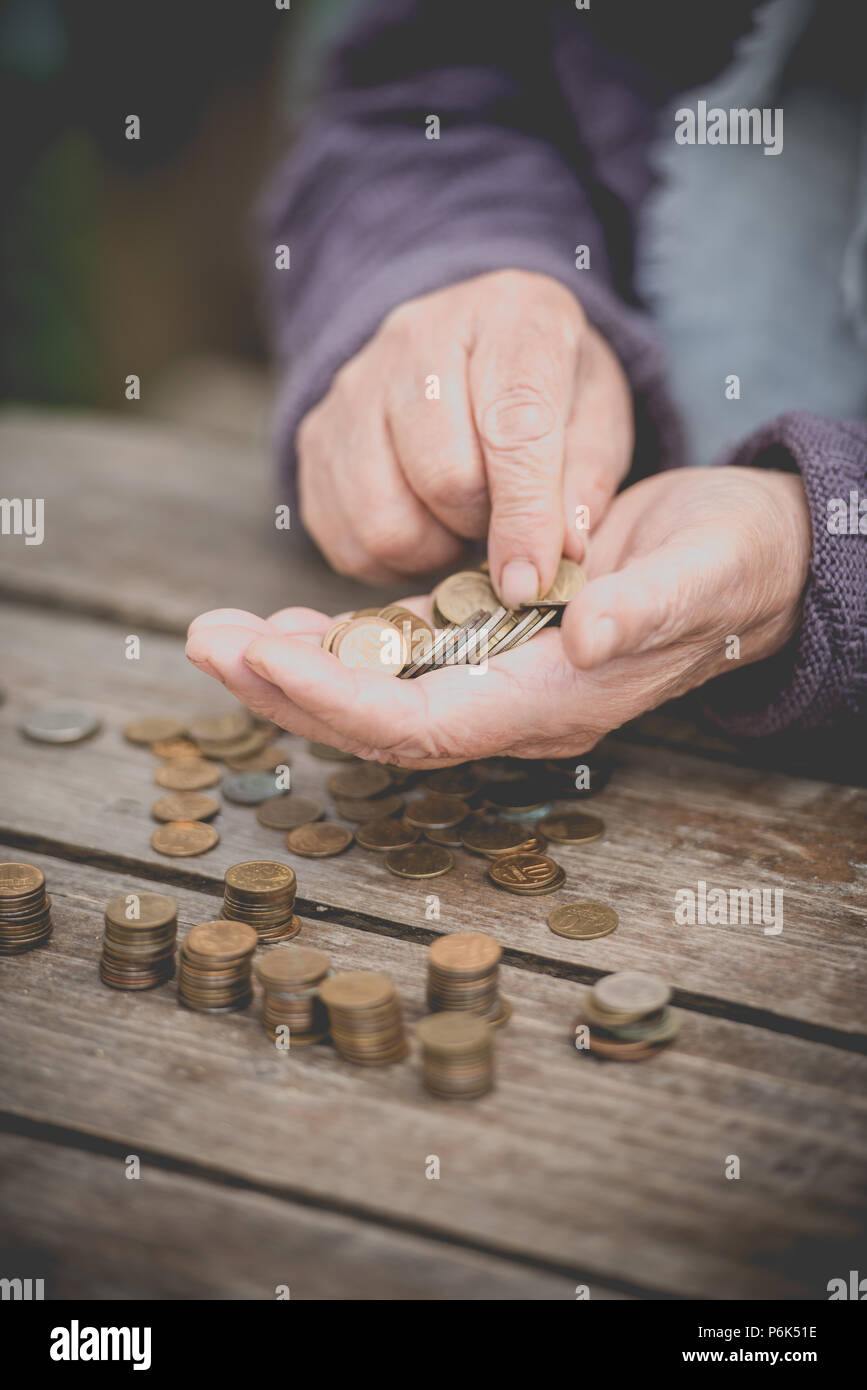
x: 262, y: 894
x: 216, y: 967
x: 463, y: 974
x: 365, y: 1017
x: 138, y: 950
x: 25, y: 910
x: 628, y: 1017
x: 291, y: 979
x: 457, y: 1055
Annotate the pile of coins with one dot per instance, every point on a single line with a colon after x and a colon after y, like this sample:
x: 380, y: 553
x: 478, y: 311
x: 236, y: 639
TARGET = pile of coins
x: 262, y: 894
x: 457, y: 1055
x: 366, y: 1023
x: 216, y: 967
x: 463, y: 974
x: 25, y: 910
x: 138, y: 949
x: 626, y: 1016
x: 292, y: 1010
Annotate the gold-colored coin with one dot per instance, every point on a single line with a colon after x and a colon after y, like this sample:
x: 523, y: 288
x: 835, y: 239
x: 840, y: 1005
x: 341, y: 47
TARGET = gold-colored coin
x: 631, y: 992
x: 149, y: 730
x: 583, y: 921
x: 319, y: 839
x: 285, y: 812
x: 153, y: 910
x: 181, y: 839
x: 461, y: 595
x: 568, y: 581
x: 376, y: 808
x: 221, y: 941
x: 385, y: 833
x: 260, y: 878
x: 572, y: 827
x: 244, y: 747
x: 334, y: 632
x: 418, y: 635
x: 266, y: 760
x: 452, y: 1032
x: 292, y: 967
x: 493, y: 838
x: 371, y: 644
x: 187, y: 775
x: 357, y: 989
x: 420, y: 861
x: 360, y: 781
x: 327, y: 754
x: 220, y: 728
x: 185, y: 806
x: 20, y: 881
x: 436, y: 812
x: 526, y: 873
x: 468, y: 952
x: 174, y: 748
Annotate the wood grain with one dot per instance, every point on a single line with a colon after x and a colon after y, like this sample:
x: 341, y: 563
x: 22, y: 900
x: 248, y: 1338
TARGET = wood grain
x: 672, y: 820
x: 592, y: 1170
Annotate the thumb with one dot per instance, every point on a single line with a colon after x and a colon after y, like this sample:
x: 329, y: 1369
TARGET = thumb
x: 521, y: 383
x: 654, y: 601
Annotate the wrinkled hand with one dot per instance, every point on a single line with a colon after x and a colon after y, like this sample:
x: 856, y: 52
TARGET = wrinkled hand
x: 533, y: 420
x: 682, y: 562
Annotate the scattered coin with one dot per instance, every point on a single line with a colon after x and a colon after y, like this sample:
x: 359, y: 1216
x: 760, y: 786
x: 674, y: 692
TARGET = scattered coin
x: 181, y: 839
x: 572, y: 827
x: 420, y: 861
x: 220, y: 728
x: 150, y: 730
x: 319, y: 839
x: 452, y: 781
x: 495, y: 837
x: 436, y: 812
x: 361, y: 781
x: 187, y: 775
x: 355, y: 809
x: 266, y: 760
x: 250, y: 788
x: 526, y: 874
x: 385, y: 833
x: 583, y: 921
x: 330, y: 755
x: 185, y: 806
x: 174, y: 748
x: 244, y: 747
x: 285, y: 812
x: 60, y: 724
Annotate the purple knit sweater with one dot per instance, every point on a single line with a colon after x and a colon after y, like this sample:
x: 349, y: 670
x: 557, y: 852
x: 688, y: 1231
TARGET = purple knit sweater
x: 547, y: 117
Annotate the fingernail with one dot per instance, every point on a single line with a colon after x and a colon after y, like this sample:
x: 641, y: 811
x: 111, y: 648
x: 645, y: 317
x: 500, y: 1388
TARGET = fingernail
x: 201, y: 662
x: 603, y: 641
x: 519, y: 583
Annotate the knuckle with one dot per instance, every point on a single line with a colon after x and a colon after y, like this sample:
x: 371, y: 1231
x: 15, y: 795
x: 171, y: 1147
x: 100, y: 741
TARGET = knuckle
x: 387, y: 537
x: 522, y: 415
x: 449, y: 485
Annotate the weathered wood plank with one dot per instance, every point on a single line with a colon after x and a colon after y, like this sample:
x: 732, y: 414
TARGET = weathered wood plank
x: 672, y: 821
x: 591, y: 1169
x: 72, y: 1218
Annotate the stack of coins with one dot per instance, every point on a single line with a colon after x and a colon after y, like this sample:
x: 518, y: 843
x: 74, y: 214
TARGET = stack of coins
x: 457, y: 1055
x: 626, y: 1016
x: 25, y: 911
x: 291, y: 979
x: 463, y: 976
x: 216, y: 967
x: 365, y: 1018
x: 138, y: 950
x: 262, y: 894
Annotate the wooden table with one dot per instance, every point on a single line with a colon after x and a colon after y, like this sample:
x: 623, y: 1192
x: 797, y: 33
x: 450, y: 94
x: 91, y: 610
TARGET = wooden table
x: 261, y: 1169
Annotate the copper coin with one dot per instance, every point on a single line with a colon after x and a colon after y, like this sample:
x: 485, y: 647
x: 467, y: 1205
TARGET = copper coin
x: 185, y: 806
x: 292, y: 967
x: 583, y: 921
x: 436, y: 812
x: 452, y: 781
x: 221, y: 941
x: 450, y: 837
x: 285, y: 812
x: 528, y: 794
x: 386, y: 833
x: 244, y: 747
x: 375, y: 809
x: 357, y: 989
x: 568, y: 581
x: 149, y: 730
x: 266, y: 760
x: 420, y: 861
x: 329, y: 754
x: 20, y: 881
x: 333, y: 633
x: 494, y: 837
x: 450, y: 1032
x: 149, y: 910
x: 467, y: 951
x: 572, y: 827
x: 174, y: 748
x: 220, y: 728
x: 187, y: 775
x: 463, y: 594
x: 361, y: 781
x: 319, y: 839
x: 260, y: 878
x: 524, y: 871
x: 371, y: 644
x: 182, y: 839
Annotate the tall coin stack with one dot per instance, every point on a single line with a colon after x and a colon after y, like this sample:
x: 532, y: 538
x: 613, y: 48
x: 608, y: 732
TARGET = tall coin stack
x: 291, y: 979
x: 365, y: 1017
x: 457, y: 1055
x: 138, y: 949
x: 463, y: 975
x: 216, y: 967
x: 25, y: 910
x: 262, y: 894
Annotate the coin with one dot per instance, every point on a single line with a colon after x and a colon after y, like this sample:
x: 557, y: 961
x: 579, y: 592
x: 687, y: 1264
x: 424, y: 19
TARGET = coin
x: 292, y: 967
x: 250, y: 788
x: 471, y: 952
x: 462, y: 594
x: 221, y: 940
x: 526, y: 873
x: 452, y: 781
x: 185, y: 806
x: 362, y: 781
x: 187, y: 775
x: 494, y: 837
x: 371, y: 644
x: 583, y: 921
x: 453, y: 1032
x: 150, y: 910
x: 150, y: 730
x: 60, y: 724
x: 266, y: 760
x: 418, y: 635
x: 568, y: 581
x: 285, y: 812
x: 244, y: 747
x: 182, y: 839
x: 521, y: 796
x: 572, y: 827
x: 20, y: 881
x: 385, y: 833
x: 355, y: 809
x: 174, y: 748
x: 220, y: 728
x: 436, y: 812
x: 319, y: 839
x: 333, y: 633
x: 356, y: 989
x: 329, y: 754
x: 632, y: 991
x: 260, y: 880
x: 420, y: 861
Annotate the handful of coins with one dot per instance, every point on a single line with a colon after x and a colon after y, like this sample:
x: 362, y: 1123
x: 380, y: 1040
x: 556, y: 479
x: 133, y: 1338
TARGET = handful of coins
x: 628, y: 1016
x: 291, y: 979
x: 463, y: 977
x: 365, y: 1017
x: 262, y: 894
x: 457, y: 1055
x: 25, y: 910
x: 216, y: 967
x: 473, y: 623
x: 138, y: 951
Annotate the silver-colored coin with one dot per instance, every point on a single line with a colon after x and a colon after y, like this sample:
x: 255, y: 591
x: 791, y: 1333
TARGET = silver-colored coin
x: 632, y: 991
x: 442, y: 644
x: 60, y: 724
x: 251, y: 788
x: 529, y: 625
